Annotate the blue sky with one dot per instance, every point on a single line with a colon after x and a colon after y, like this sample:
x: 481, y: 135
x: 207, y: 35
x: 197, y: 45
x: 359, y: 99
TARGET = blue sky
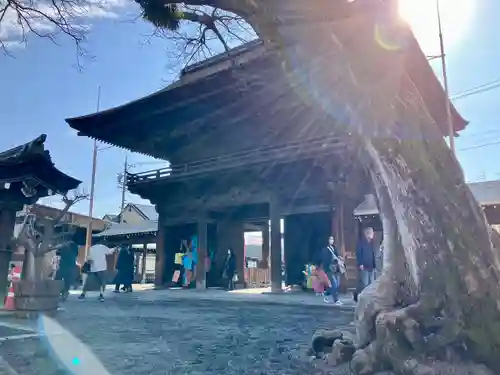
x: 40, y: 88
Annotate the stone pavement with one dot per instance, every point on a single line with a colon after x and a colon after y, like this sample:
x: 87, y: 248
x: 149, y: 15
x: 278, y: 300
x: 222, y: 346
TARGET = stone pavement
x: 253, y: 295
x: 172, y: 332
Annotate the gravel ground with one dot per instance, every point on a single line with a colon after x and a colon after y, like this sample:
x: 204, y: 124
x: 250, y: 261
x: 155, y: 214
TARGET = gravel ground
x: 174, y: 337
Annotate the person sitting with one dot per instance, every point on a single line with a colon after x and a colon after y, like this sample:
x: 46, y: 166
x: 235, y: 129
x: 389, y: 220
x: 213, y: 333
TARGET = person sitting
x: 320, y: 280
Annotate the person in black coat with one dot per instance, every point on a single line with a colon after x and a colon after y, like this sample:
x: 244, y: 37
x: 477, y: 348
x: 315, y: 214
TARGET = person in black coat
x: 365, y: 257
x: 230, y: 268
x: 125, y: 267
x: 329, y: 259
x: 67, y: 267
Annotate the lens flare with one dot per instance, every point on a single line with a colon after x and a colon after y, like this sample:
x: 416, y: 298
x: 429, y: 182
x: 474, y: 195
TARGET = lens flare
x: 71, y: 352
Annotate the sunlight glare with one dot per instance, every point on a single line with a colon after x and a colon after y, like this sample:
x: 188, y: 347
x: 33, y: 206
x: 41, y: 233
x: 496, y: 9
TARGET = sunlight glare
x: 456, y: 16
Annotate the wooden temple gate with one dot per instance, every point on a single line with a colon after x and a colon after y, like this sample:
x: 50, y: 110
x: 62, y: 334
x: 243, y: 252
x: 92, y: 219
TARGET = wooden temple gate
x: 245, y: 146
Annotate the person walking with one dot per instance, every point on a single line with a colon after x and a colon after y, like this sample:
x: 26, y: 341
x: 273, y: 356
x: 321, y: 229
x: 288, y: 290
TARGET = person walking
x: 178, y: 275
x: 365, y: 258
x: 98, y: 268
x: 125, y: 267
x: 330, y: 262
x: 188, y: 265
x: 129, y: 268
x: 67, y: 267
x: 230, y: 268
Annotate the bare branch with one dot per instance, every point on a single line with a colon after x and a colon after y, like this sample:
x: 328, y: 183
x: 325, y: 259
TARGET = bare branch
x: 40, y: 243
x: 68, y: 203
x: 48, y: 249
x: 48, y: 19
x: 217, y: 30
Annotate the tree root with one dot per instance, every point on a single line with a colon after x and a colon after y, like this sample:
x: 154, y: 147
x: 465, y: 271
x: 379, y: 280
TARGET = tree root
x: 404, y: 340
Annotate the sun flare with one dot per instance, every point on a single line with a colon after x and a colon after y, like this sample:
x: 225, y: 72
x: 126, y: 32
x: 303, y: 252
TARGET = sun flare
x: 456, y: 16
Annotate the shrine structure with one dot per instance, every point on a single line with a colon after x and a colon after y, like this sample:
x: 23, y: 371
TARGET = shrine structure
x: 27, y: 174
x: 246, y: 146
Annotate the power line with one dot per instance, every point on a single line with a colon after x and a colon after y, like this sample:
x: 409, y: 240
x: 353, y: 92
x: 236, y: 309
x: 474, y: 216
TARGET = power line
x: 485, y: 87
x: 486, y: 132
x: 480, y: 146
x: 478, y: 87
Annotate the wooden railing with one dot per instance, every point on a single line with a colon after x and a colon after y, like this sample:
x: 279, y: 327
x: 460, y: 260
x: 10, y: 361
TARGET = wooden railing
x: 285, y: 153
x: 257, y: 277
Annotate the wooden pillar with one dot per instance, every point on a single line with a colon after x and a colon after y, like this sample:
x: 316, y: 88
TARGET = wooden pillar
x: 338, y: 227
x: 137, y: 261
x: 201, y: 273
x: 264, y: 263
x: 276, y: 277
x: 297, y: 236
x: 7, y: 222
x: 160, y: 253
x: 143, y: 263
x: 348, y: 238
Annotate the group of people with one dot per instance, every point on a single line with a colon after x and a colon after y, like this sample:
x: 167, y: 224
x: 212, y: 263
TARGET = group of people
x: 94, y: 269
x: 329, y: 267
x: 186, y: 259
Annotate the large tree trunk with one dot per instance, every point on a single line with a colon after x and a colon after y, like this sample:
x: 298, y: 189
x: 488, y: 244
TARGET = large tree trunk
x: 437, y: 302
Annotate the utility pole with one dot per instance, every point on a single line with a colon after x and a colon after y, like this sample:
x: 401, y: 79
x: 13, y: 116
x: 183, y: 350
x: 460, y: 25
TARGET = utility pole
x: 451, y: 130
x: 88, y: 241
x: 124, y: 188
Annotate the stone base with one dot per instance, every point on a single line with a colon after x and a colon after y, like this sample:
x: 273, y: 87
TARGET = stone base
x: 201, y: 285
x: 33, y: 297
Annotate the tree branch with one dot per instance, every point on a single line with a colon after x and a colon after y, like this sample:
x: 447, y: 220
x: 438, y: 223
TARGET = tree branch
x: 216, y: 28
x: 68, y: 203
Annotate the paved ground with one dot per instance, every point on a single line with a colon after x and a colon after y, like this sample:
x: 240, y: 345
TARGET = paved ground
x: 253, y: 295
x: 140, y: 334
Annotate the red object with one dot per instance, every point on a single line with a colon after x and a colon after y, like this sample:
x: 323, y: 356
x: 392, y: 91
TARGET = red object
x: 14, y: 276
x: 175, y: 277
x: 322, y: 278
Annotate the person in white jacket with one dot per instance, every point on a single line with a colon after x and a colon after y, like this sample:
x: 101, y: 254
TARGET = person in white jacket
x: 98, y: 266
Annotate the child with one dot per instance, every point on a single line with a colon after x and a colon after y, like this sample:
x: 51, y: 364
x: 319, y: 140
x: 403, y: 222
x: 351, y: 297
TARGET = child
x: 320, y: 280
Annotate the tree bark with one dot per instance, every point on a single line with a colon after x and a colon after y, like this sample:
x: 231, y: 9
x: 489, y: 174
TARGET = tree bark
x: 438, y: 297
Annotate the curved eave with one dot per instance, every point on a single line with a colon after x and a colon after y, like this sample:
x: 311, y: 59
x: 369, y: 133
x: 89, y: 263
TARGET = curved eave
x: 45, y: 175
x: 425, y: 80
x: 51, y: 177
x: 20, y: 153
x: 122, y: 147
x: 65, y: 182
x: 171, y: 109
x: 85, y: 123
x: 117, y: 109
x: 118, y: 126
x: 125, y: 235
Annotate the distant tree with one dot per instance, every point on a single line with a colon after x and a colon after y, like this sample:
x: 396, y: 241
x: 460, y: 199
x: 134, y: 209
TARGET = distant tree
x: 197, y: 32
x: 39, y: 237
x: 210, y: 31
x: 44, y: 19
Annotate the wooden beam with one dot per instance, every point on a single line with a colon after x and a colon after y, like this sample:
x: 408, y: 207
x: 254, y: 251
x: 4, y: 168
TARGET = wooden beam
x: 160, y: 252
x: 201, y: 273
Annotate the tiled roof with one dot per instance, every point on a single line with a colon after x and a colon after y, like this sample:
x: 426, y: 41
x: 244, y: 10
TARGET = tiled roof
x: 486, y: 193
x: 147, y: 210
x: 128, y: 229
